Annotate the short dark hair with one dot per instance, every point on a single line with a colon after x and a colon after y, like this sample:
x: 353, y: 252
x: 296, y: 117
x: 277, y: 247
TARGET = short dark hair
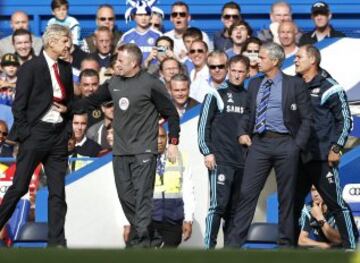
x: 203, y: 42
x: 180, y: 3
x: 21, y: 32
x: 167, y: 59
x: 240, y: 58
x: 59, y: 3
x: 313, y: 51
x: 241, y: 23
x: 166, y: 38
x: 89, y: 73
x: 251, y: 40
x: 231, y: 5
x: 193, y: 32
x: 89, y: 57
x: 133, y: 50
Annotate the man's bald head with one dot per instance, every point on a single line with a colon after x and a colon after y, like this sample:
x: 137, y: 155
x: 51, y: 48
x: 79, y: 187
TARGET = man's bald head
x: 19, y: 20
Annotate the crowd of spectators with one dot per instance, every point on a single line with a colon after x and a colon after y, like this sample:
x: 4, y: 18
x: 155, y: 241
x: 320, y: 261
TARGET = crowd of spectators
x: 185, y: 59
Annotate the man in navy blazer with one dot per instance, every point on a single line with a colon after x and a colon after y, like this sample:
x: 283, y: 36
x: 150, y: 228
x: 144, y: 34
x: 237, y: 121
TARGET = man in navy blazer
x: 44, y: 92
x: 276, y: 126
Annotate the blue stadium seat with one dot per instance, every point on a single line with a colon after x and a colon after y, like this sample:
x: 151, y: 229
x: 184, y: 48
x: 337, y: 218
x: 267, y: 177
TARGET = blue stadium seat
x: 262, y: 236
x: 32, y: 235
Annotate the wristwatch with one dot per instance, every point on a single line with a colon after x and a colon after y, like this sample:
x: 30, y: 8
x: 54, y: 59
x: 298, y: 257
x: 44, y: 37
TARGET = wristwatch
x: 321, y: 222
x: 336, y: 148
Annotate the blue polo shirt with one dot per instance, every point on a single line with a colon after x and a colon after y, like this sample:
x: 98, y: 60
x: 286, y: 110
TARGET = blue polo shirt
x: 274, y: 112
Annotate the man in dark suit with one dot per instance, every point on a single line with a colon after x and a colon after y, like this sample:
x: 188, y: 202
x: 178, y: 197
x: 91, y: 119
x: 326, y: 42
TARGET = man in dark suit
x: 44, y: 91
x: 275, y: 127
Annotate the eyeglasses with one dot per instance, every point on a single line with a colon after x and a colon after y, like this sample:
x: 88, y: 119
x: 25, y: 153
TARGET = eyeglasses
x: 227, y: 17
x: 176, y: 14
x: 106, y: 18
x: 3, y: 133
x: 221, y: 66
x: 193, y: 51
x: 252, y: 51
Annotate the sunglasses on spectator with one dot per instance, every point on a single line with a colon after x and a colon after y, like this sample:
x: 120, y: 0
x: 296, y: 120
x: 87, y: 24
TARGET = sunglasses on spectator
x: 252, y: 51
x: 3, y: 133
x: 193, y: 51
x: 220, y: 66
x: 227, y: 17
x: 176, y: 14
x: 106, y: 18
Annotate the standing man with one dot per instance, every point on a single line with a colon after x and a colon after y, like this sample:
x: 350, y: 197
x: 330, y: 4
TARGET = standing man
x: 230, y: 13
x: 105, y: 16
x: 275, y: 127
x: 180, y: 17
x: 330, y: 129
x: 287, y: 37
x: 139, y: 98
x: 223, y: 156
x: 321, y: 15
x: 218, y: 68
x: 44, y: 91
x: 19, y: 20
x: 174, y: 199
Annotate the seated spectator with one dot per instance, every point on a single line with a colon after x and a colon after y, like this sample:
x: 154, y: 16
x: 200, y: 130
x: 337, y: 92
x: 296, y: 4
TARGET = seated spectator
x: 105, y: 16
x: 143, y: 35
x: 230, y: 13
x: 287, y: 37
x: 103, y: 47
x: 22, y: 42
x: 180, y: 17
x: 251, y: 50
x: 9, y: 67
x: 163, y: 49
x: 191, y: 35
x: 179, y: 91
x: 89, y: 83
x: 19, y: 20
x: 84, y: 147
x: 60, y: 9
x: 174, y: 199
x: 321, y: 16
x: 217, y: 67
x: 6, y: 115
x: 6, y: 149
x: 280, y: 12
x: 110, y: 135
x: 98, y: 131
x: 90, y: 62
x: 318, y: 226
x: 156, y: 20
x: 198, y: 54
x: 239, y: 32
x: 168, y: 68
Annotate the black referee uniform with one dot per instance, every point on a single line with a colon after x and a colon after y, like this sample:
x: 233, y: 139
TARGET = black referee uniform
x: 138, y: 101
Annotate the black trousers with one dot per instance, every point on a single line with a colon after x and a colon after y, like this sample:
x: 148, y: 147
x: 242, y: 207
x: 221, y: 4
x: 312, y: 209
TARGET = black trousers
x: 134, y: 179
x: 170, y: 234
x: 225, y: 183
x: 265, y: 153
x: 47, y: 144
x: 327, y: 182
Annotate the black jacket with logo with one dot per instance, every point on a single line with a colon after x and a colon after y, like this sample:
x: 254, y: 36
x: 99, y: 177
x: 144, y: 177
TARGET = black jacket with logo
x: 217, y: 128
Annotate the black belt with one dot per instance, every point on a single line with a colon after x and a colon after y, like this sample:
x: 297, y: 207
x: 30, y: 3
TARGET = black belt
x: 271, y: 134
x: 50, y: 125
